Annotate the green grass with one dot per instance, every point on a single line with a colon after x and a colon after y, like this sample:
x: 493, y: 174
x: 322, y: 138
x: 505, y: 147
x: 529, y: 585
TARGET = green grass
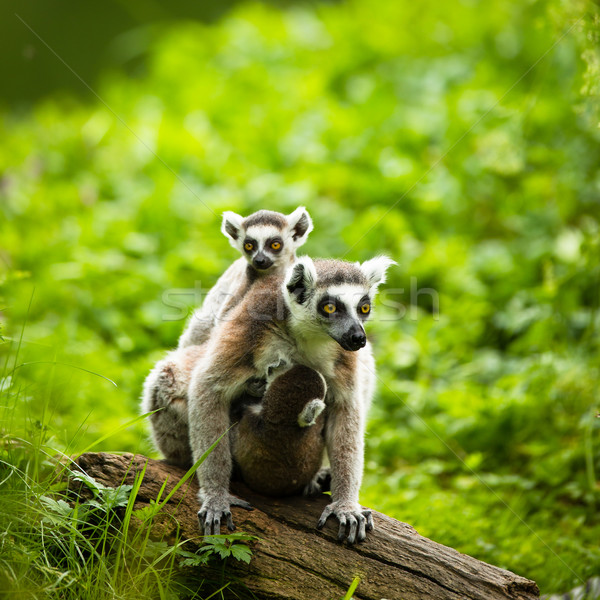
x: 62, y: 542
x: 461, y: 138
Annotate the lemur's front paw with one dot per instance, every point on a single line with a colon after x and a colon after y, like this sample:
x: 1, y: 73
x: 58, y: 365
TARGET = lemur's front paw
x: 354, y: 520
x: 217, y: 507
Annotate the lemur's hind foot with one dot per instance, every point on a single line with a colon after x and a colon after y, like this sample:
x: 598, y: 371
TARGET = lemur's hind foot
x: 320, y: 483
x: 166, y: 397
x: 170, y: 387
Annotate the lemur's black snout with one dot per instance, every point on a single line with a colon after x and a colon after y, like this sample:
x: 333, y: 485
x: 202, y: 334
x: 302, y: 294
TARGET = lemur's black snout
x: 359, y: 340
x: 355, y: 338
x: 261, y: 261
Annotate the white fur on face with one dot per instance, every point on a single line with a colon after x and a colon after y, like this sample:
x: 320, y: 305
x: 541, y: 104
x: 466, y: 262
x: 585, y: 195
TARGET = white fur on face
x: 260, y: 234
x: 348, y: 294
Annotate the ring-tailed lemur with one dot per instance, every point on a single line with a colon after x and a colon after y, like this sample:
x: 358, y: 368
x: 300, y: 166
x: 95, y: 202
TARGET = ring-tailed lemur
x: 278, y: 444
x: 313, y: 316
x: 268, y: 242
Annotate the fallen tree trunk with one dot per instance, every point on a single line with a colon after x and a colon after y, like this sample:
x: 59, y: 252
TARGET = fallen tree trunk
x: 293, y: 560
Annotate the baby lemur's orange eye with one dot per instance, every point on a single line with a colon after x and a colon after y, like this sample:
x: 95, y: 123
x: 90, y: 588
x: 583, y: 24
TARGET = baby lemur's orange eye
x: 365, y: 308
x: 329, y: 308
x: 248, y: 246
x: 276, y: 245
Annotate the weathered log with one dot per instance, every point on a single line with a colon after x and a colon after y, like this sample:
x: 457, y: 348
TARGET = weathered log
x: 293, y: 560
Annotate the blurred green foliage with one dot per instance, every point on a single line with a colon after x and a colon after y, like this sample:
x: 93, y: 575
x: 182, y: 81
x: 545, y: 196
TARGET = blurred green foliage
x: 461, y: 138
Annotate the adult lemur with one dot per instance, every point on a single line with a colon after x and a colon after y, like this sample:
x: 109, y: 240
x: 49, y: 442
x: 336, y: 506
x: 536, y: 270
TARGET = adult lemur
x: 313, y: 316
x: 268, y: 242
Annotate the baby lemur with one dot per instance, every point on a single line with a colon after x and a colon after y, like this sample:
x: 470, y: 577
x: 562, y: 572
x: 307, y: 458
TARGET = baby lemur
x: 312, y: 316
x: 268, y: 242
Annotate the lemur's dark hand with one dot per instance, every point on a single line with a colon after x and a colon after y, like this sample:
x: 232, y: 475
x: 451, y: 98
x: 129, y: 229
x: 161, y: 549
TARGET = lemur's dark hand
x: 256, y: 386
x: 354, y: 520
x: 216, y: 508
x: 320, y: 483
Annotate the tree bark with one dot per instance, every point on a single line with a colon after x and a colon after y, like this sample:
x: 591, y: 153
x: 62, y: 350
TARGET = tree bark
x: 293, y: 561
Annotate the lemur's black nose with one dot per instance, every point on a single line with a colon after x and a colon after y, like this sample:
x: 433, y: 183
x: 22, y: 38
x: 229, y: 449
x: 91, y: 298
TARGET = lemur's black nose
x: 356, y: 338
x: 261, y: 261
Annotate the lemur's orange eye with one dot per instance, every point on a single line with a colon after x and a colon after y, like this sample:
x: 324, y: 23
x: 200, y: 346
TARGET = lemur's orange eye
x: 248, y: 246
x: 329, y: 308
x: 276, y: 245
x: 365, y: 308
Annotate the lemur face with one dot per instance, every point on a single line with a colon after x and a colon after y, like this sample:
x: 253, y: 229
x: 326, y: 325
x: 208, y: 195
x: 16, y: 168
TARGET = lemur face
x: 268, y: 240
x: 334, y: 297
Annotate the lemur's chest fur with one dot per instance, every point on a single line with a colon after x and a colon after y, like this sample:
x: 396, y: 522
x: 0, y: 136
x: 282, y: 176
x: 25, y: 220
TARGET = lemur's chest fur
x: 317, y: 352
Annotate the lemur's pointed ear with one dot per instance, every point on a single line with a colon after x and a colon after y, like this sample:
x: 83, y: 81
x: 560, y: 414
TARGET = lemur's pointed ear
x: 231, y: 226
x: 300, y: 279
x: 375, y: 268
x: 300, y: 225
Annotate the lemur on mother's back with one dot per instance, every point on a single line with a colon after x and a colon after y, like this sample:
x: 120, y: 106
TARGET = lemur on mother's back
x: 268, y: 242
x: 312, y: 316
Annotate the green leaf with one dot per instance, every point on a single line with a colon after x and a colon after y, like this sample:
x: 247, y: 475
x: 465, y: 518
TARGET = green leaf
x: 241, y: 552
x: 59, y: 507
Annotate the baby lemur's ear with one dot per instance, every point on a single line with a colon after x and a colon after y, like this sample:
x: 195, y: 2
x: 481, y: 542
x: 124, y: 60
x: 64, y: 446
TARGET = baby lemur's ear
x: 300, y: 279
x: 232, y: 226
x: 300, y: 225
x: 375, y: 268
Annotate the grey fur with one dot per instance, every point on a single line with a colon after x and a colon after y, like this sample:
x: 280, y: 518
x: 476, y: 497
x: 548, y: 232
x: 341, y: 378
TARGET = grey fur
x: 245, y: 347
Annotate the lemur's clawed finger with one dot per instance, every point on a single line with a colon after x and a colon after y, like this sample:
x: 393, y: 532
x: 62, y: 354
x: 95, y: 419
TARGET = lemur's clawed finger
x: 369, y: 517
x: 204, y: 521
x: 342, y: 530
x: 324, y: 516
x: 216, y: 525
x: 361, y: 535
x: 241, y: 503
x: 352, y: 523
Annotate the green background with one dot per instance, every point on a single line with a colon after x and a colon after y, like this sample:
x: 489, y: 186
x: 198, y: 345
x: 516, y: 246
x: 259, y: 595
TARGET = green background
x: 461, y: 138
